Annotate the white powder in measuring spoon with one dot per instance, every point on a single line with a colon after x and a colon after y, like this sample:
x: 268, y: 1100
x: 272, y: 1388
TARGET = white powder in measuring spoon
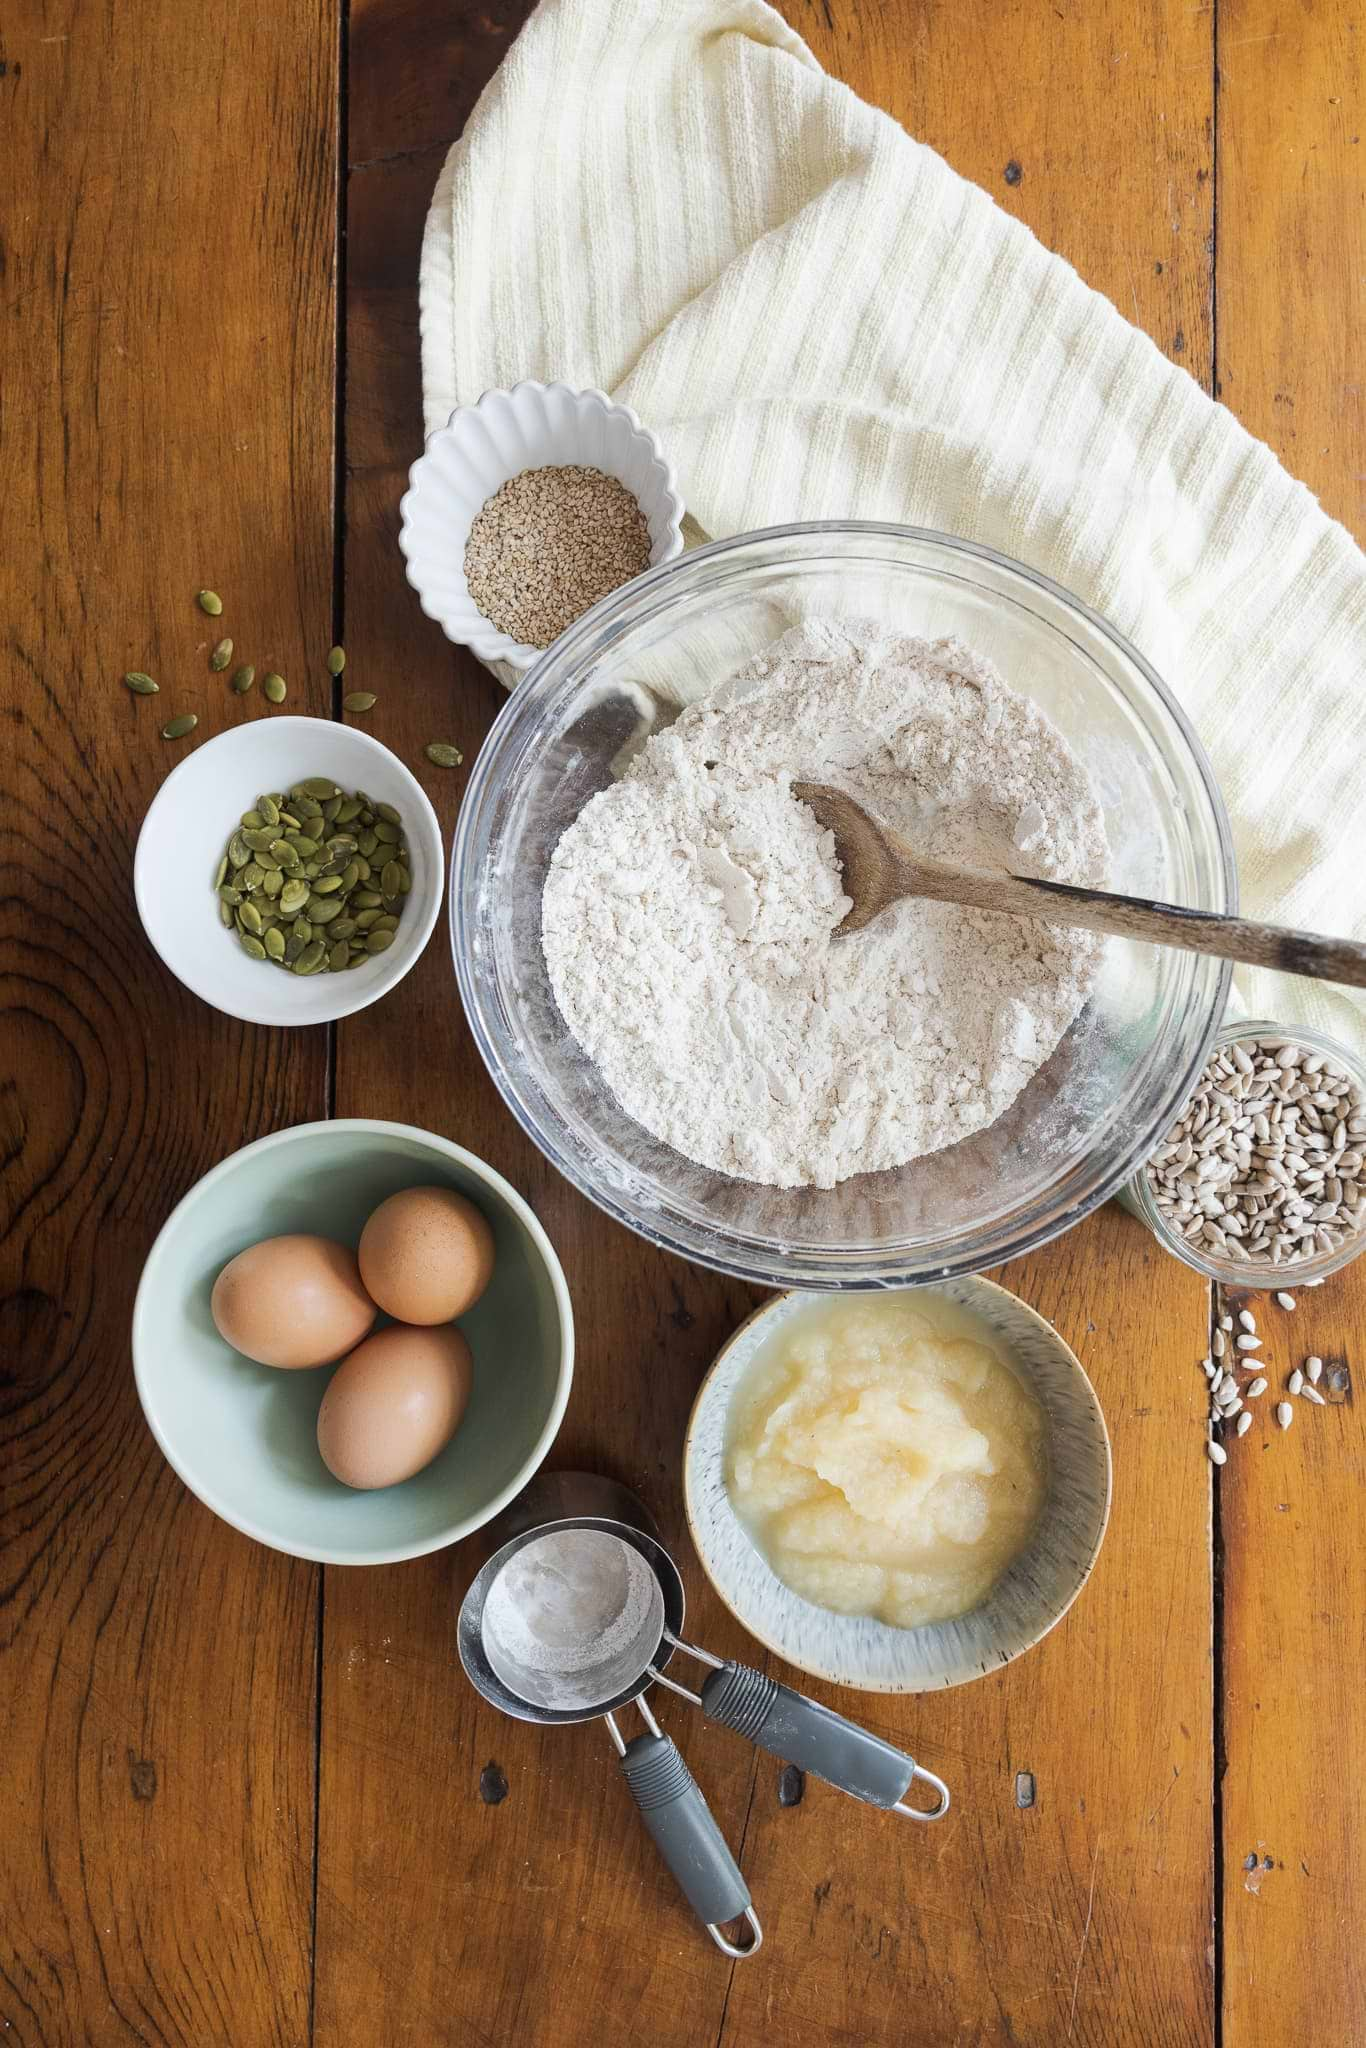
x: 689, y: 913
x: 565, y: 1609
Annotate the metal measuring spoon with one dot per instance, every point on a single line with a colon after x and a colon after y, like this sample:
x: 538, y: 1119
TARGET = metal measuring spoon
x: 544, y: 1675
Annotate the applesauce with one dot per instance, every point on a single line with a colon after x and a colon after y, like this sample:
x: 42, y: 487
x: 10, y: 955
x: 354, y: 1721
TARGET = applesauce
x: 885, y: 1457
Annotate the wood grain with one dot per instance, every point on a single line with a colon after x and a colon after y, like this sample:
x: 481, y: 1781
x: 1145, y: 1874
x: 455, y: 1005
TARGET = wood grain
x: 1292, y: 1571
x: 166, y: 289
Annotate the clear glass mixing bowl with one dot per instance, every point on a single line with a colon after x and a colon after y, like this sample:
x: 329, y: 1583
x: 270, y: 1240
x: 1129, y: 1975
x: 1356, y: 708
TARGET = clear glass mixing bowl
x: 1092, y: 1114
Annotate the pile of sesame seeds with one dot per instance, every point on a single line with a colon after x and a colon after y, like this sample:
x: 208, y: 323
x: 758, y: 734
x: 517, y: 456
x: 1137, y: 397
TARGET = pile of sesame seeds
x: 1265, y: 1166
x: 1234, y: 1349
x: 548, y: 544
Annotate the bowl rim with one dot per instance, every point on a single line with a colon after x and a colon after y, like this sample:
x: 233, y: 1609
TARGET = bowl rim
x: 494, y: 645
x: 742, y: 1257
x: 345, y: 1004
x: 360, y: 1126
x: 973, y: 1282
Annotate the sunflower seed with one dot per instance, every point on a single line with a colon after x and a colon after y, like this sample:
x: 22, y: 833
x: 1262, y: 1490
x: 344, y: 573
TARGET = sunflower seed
x: 1284, y: 1414
x: 209, y: 601
x: 221, y: 656
x: 1313, y: 1394
x: 1218, y: 1344
x: 1286, y: 1300
x: 1254, y: 1388
x: 141, y: 685
x: 1247, y: 1321
x: 1295, y: 1381
x: 1246, y: 1343
x: 1216, y: 1453
x: 1313, y: 1369
x: 1225, y: 1322
x: 443, y: 755
x: 1244, y: 1423
x: 176, y: 728
x: 243, y: 678
x: 360, y: 700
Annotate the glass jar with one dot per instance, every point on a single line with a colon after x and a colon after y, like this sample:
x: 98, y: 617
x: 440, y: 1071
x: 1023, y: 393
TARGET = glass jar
x: 1138, y: 1195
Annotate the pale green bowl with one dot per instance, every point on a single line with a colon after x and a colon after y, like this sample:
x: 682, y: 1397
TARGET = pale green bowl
x: 241, y: 1435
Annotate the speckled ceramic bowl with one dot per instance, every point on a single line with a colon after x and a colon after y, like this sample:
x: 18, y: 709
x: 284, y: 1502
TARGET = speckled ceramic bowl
x: 1026, y: 1602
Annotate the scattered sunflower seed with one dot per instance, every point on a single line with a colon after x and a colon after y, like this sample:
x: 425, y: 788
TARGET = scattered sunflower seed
x: 360, y: 700
x: 1313, y: 1394
x: 1244, y: 1423
x: 176, y: 728
x: 1216, y: 1453
x: 1295, y: 1381
x: 1218, y: 1344
x: 221, y: 656
x: 1284, y: 1414
x: 274, y: 688
x: 442, y: 755
x: 1286, y: 1300
x: 1246, y: 1343
x: 1225, y: 1322
x: 1254, y: 1388
x: 1247, y: 1321
x: 209, y: 601
x: 141, y: 685
x: 336, y: 661
x: 1313, y: 1368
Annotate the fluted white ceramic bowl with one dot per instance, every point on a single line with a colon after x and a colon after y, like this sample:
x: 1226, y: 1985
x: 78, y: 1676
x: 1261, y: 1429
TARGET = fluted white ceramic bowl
x: 533, y: 426
x: 1032, y: 1596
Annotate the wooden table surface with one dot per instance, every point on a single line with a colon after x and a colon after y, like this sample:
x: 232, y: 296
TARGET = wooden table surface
x: 245, y: 1800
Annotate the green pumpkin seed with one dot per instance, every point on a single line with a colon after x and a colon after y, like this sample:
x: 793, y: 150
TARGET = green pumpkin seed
x: 338, y: 958
x: 141, y: 685
x: 249, y: 917
x: 366, y: 899
x: 302, y: 844
x: 318, y: 787
x: 293, y: 897
x: 343, y: 928
x: 348, y: 809
x: 357, y: 960
x: 367, y: 842
x: 251, y: 945
x: 327, y: 885
x: 443, y: 755
x: 281, y: 851
x: 275, y: 943
x: 239, y: 853
x: 312, y: 868
x: 311, y: 959
x: 222, y: 873
x: 265, y: 858
x: 225, y: 915
x: 252, y: 821
x: 243, y: 678
x: 176, y: 728
x: 221, y: 656
x: 259, y: 838
x: 253, y: 874
x: 350, y: 876
x: 293, y: 948
x: 269, y: 809
x: 288, y: 820
x: 365, y: 918
x: 389, y: 877
x: 274, y: 688
x: 386, y: 833
x: 360, y: 700
x: 336, y: 661
x: 323, y: 909
x: 302, y: 929
x: 378, y: 942
x: 273, y: 883
x: 229, y: 894
x: 209, y: 601
x: 389, y: 814
x: 405, y: 880
x: 330, y: 810
x: 387, y: 923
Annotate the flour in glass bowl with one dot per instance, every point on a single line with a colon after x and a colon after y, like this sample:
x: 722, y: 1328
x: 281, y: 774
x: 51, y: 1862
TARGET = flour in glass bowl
x: 689, y: 913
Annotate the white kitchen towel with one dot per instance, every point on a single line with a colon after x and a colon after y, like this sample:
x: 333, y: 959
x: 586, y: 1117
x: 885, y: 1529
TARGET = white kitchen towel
x: 670, y: 200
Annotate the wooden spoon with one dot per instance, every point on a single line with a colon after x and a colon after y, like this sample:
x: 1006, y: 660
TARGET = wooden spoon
x: 879, y: 868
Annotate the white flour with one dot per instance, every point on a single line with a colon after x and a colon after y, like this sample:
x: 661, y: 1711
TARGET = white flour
x: 688, y: 913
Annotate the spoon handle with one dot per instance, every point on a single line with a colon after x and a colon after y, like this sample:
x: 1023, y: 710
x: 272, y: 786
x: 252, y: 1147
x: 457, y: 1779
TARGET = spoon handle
x: 1135, y: 917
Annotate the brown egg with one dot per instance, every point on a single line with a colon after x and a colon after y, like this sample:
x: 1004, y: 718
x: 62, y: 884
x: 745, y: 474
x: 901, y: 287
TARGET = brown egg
x: 426, y: 1255
x: 292, y: 1301
x: 393, y: 1404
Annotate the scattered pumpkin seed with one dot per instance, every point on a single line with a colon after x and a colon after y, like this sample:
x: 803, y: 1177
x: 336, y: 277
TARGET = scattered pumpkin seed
x: 274, y: 688
x: 243, y: 678
x: 442, y: 755
x: 176, y: 728
x: 141, y: 685
x: 360, y: 700
x: 209, y: 601
x: 221, y: 656
x: 336, y: 661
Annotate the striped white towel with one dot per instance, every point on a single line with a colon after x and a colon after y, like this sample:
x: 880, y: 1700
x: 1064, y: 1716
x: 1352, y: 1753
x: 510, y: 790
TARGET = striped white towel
x: 670, y: 200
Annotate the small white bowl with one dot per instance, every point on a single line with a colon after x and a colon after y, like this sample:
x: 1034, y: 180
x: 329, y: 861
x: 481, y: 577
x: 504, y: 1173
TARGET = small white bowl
x: 533, y: 426
x: 1027, y: 1601
x: 188, y: 824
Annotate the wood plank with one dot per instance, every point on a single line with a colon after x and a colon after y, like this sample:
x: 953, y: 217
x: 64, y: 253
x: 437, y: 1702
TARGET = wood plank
x: 167, y: 301
x: 447, y: 1908
x: 1292, y: 178
x: 1085, y: 1917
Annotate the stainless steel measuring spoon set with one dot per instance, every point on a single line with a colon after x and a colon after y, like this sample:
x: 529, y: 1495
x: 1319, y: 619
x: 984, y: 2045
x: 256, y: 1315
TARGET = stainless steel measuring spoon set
x: 577, y: 1613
